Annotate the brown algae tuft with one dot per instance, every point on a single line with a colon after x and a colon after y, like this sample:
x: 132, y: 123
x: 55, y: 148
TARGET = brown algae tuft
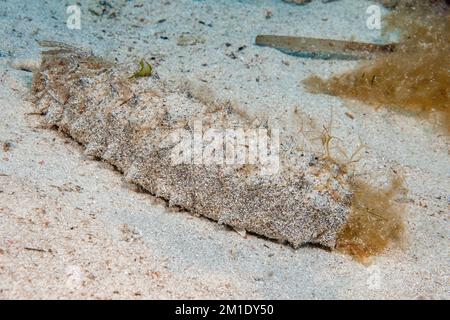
x: 375, y: 220
x: 413, y: 78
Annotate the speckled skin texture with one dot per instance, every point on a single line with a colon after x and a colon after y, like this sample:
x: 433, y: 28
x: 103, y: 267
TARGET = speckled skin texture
x: 125, y: 122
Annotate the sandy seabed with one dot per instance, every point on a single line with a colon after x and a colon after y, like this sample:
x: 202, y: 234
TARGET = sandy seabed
x: 71, y: 228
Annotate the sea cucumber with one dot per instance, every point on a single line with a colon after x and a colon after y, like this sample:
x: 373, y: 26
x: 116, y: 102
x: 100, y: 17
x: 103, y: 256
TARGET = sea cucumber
x: 126, y: 123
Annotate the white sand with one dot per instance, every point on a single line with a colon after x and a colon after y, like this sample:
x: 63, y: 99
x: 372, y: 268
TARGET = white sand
x: 104, y: 240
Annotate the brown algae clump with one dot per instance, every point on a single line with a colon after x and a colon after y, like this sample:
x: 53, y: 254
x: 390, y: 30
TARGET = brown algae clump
x: 415, y: 77
x: 374, y: 222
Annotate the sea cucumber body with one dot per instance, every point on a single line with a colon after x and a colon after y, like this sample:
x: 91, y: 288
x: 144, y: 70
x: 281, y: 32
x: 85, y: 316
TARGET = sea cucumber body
x: 126, y: 123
